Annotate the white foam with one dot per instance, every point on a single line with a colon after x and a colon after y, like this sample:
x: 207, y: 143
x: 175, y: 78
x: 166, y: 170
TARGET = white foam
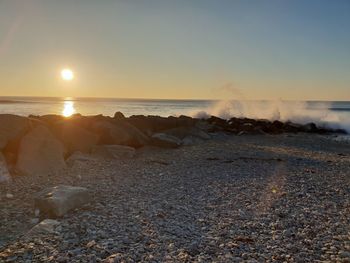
x: 299, y: 112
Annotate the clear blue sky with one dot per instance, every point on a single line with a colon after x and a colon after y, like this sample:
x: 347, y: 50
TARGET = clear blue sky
x: 290, y: 49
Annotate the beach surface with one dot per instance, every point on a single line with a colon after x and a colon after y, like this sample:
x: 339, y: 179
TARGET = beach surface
x: 252, y: 198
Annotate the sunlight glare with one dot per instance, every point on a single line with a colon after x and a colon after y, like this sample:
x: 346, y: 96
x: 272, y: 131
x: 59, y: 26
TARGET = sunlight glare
x: 68, y: 108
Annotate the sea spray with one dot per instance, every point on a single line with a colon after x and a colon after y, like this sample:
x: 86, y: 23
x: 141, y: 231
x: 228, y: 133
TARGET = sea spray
x: 294, y: 111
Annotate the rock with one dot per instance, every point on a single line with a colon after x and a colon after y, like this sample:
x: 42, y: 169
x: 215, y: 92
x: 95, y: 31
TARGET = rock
x: 119, y: 116
x: 292, y: 127
x: 4, y: 173
x: 222, y: 124
x: 114, y: 151
x: 40, y: 152
x: 113, y: 258
x: 153, y: 124
x: 57, y: 201
x: 12, y: 128
x: 247, y: 127
x: 76, y: 138
x: 165, y: 140
x: 120, y: 132
x: 344, y: 254
x: 51, y: 119
x: 205, y: 126
x: 9, y: 196
x: 310, y: 127
x: 47, y: 226
x: 185, y: 121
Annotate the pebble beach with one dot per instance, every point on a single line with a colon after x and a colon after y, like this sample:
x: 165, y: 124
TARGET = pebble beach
x: 252, y: 198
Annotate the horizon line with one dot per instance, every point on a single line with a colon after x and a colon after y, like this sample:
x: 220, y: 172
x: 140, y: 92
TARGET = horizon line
x: 168, y: 99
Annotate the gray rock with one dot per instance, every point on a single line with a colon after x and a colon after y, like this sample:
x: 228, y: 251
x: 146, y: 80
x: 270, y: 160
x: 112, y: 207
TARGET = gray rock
x: 47, y: 226
x: 12, y: 128
x: 57, y: 201
x: 114, y: 151
x: 165, y: 140
x: 4, y: 173
x: 40, y: 153
x: 344, y: 254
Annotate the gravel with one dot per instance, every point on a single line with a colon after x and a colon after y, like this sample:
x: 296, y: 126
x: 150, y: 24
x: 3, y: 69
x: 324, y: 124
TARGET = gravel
x: 283, y: 198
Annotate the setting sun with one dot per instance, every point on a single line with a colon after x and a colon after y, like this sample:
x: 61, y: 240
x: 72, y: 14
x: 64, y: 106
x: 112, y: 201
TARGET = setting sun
x: 67, y: 74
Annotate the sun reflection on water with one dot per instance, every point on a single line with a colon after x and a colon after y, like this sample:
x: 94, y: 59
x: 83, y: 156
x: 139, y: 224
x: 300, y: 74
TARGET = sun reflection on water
x: 68, y: 108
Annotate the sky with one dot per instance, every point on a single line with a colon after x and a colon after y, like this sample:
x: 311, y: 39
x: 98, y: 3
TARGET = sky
x: 183, y: 49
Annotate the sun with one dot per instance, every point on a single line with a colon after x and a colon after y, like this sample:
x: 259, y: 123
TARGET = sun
x: 67, y: 74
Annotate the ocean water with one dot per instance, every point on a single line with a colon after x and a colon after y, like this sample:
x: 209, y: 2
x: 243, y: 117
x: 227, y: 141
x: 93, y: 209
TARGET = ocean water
x: 334, y: 114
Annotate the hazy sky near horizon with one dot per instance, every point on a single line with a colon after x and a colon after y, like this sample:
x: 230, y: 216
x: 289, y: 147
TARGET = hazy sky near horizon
x: 195, y: 49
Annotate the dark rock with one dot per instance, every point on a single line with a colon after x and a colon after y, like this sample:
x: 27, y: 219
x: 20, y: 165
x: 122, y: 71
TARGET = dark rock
x: 340, y: 131
x: 119, y: 116
x: 218, y: 122
x: 185, y: 121
x: 153, y: 124
x: 310, y: 127
x: 292, y: 127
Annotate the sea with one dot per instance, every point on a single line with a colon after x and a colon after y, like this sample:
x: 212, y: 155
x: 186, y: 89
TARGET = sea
x: 334, y: 114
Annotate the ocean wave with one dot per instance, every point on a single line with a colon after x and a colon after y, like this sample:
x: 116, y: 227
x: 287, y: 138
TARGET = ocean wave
x: 298, y: 112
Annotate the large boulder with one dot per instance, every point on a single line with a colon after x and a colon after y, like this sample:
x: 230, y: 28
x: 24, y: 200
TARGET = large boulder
x: 4, y: 173
x: 12, y: 128
x: 152, y: 124
x: 57, y: 201
x: 120, y: 132
x: 76, y: 138
x: 51, y: 119
x: 40, y: 152
x: 114, y: 151
x: 165, y: 140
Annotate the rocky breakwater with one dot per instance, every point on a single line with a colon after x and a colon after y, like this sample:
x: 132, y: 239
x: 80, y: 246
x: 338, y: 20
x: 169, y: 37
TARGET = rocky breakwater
x: 42, y: 144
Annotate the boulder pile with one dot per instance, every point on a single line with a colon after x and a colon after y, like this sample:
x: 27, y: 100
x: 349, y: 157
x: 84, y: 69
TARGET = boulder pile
x: 43, y: 144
